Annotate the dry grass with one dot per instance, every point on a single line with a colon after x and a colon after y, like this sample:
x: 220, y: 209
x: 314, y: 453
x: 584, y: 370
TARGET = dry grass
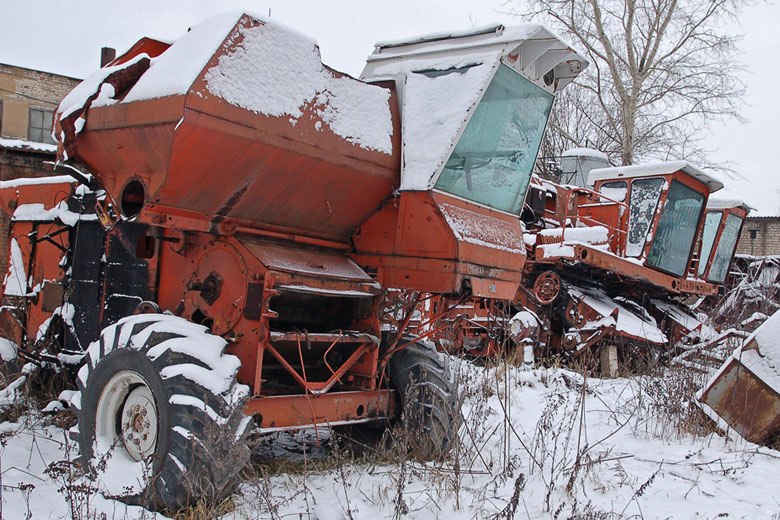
x: 666, y: 404
x: 204, y: 510
x: 557, y: 454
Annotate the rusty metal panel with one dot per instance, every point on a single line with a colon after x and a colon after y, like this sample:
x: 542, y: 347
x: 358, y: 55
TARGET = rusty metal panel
x: 484, y: 237
x: 52, y: 295
x: 745, y: 393
x: 434, y: 242
x: 744, y: 402
x: 605, y: 260
x: 291, y: 411
x: 145, y: 45
x: 307, y: 261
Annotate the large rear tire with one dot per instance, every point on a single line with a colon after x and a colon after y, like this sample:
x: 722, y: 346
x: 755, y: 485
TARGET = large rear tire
x: 159, y: 404
x: 429, y: 398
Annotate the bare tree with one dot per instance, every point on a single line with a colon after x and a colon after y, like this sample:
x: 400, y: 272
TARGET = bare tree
x: 574, y: 123
x: 661, y: 71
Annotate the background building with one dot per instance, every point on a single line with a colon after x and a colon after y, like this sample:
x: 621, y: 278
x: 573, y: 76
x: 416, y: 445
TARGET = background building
x: 28, y: 99
x: 760, y: 237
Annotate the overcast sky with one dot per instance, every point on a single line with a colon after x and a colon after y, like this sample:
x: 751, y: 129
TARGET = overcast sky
x: 65, y: 36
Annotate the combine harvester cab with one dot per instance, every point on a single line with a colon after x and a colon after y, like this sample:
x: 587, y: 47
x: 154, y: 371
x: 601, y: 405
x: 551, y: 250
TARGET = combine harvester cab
x: 714, y: 254
x: 473, y: 107
x: 722, y: 228
x: 254, y: 207
x: 698, y: 344
x: 609, y: 261
x: 601, y: 255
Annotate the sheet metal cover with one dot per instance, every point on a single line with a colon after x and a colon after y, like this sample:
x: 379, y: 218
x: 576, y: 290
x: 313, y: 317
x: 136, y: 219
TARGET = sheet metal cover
x: 748, y: 400
x: 294, y: 259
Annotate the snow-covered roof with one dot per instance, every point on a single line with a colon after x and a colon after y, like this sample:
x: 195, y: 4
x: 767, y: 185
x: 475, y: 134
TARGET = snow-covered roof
x: 651, y: 169
x: 444, y: 35
x: 29, y: 146
x: 261, y: 66
x: 174, y: 71
x: 171, y: 73
x: 585, y: 152
x: 277, y: 71
x: 716, y: 204
x: 532, y: 49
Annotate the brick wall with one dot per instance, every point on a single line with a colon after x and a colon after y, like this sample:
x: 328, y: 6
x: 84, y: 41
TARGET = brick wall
x: 22, y: 89
x: 760, y: 237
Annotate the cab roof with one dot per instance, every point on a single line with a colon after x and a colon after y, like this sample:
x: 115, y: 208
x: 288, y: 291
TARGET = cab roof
x: 534, y: 50
x: 653, y: 169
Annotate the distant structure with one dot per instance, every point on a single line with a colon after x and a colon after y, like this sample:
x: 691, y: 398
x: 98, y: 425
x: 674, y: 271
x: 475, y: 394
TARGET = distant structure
x: 576, y: 164
x: 760, y: 237
x: 28, y: 99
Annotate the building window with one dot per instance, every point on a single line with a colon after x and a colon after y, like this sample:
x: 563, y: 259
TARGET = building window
x: 40, y: 126
x: 1, y: 117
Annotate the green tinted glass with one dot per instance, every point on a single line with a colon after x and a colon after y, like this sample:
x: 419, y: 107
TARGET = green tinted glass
x: 492, y: 162
x: 725, y: 251
x: 676, y: 230
x: 711, y: 223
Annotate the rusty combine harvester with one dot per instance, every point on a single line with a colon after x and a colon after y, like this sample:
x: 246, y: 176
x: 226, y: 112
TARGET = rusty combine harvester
x: 609, y: 265
x: 230, y: 215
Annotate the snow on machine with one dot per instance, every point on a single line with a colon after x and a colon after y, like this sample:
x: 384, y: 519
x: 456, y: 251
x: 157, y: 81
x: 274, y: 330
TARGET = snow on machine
x: 229, y: 216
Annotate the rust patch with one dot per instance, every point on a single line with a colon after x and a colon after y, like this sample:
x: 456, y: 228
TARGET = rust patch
x: 232, y: 201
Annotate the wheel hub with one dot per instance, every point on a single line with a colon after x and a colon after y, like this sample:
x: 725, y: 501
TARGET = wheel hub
x: 127, y: 415
x: 139, y: 423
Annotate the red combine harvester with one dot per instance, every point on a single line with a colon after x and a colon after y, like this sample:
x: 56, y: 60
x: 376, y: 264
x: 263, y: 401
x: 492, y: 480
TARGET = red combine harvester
x: 240, y: 211
x: 609, y: 265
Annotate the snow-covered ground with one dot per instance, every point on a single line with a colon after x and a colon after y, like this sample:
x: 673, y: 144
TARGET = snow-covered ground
x: 536, y: 444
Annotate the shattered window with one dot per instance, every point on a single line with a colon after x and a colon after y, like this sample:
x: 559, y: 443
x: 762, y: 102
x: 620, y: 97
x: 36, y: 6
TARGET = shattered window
x: 492, y: 162
x: 673, y: 241
x: 644, y: 200
x: 711, y: 223
x: 725, y: 250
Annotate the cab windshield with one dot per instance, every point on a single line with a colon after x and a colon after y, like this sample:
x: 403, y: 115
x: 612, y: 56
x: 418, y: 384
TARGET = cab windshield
x: 673, y: 241
x: 711, y: 224
x: 725, y: 250
x: 492, y: 162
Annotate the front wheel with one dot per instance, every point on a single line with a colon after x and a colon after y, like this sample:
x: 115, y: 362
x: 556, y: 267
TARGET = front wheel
x: 160, y: 413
